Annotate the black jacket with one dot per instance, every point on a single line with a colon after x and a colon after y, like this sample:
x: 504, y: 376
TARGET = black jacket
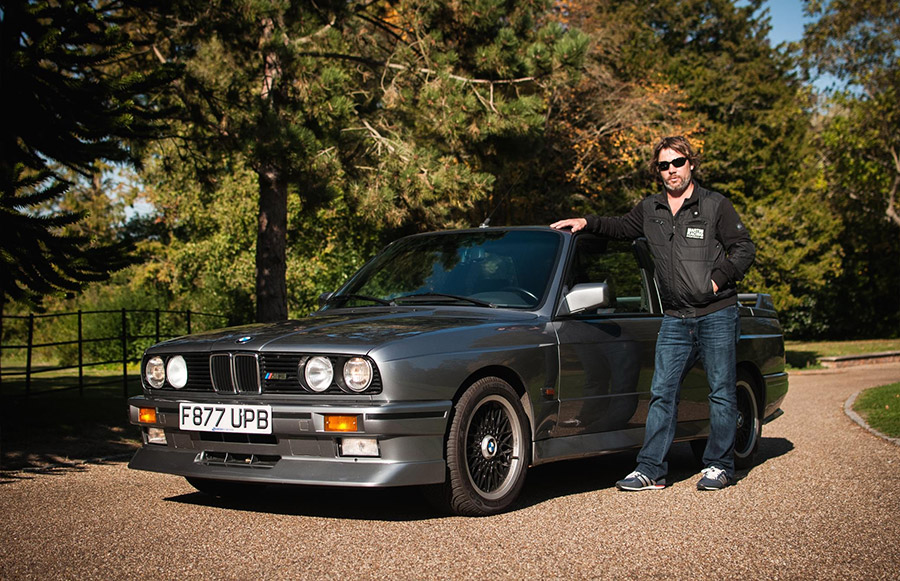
x: 705, y: 241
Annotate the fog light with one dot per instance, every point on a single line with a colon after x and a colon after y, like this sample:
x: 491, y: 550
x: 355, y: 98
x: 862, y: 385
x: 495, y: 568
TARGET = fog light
x: 359, y: 447
x: 147, y: 415
x: 156, y: 436
x: 341, y: 423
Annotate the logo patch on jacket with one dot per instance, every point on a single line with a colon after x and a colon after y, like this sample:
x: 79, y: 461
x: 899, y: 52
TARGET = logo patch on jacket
x: 696, y: 233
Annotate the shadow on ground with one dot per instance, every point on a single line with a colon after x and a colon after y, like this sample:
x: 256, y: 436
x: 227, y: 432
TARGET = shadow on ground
x: 544, y: 483
x: 45, y: 431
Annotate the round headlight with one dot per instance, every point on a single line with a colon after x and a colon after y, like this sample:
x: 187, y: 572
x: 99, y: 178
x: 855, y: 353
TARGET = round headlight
x: 318, y: 373
x: 155, y: 372
x: 176, y: 370
x: 357, y: 374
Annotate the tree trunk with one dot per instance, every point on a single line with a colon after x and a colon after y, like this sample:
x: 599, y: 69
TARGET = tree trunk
x: 271, y: 288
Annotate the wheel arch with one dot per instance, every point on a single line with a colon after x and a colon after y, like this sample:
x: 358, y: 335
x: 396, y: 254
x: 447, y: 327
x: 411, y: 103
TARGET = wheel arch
x: 507, y: 375
x: 504, y: 373
x: 757, y: 383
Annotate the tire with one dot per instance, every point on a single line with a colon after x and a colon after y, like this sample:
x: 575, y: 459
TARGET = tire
x: 222, y: 488
x: 488, y: 451
x: 749, y: 426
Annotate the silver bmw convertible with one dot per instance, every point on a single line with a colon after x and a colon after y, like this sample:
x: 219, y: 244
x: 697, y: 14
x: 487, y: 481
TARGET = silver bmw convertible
x: 452, y: 361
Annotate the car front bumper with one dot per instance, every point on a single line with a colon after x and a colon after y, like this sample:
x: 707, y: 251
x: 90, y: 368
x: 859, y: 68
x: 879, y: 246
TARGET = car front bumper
x: 409, y: 438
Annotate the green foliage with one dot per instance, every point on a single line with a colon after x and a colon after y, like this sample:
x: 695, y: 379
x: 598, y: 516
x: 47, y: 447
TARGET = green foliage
x: 859, y: 153
x: 105, y: 328
x: 857, y: 42
x: 452, y: 132
x: 308, y: 135
x: 38, y: 257
x: 393, y: 115
x: 703, y: 69
x: 203, y: 257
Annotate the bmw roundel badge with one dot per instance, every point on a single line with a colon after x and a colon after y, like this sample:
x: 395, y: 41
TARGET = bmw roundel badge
x: 244, y: 339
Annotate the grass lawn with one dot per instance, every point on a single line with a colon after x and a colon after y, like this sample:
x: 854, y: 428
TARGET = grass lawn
x: 880, y: 408
x: 805, y: 355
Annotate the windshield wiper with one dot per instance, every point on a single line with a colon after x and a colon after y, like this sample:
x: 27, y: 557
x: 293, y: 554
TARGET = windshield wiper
x: 345, y: 298
x: 446, y: 296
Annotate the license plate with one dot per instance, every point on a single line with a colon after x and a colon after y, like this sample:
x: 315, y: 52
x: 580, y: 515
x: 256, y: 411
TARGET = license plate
x: 241, y: 419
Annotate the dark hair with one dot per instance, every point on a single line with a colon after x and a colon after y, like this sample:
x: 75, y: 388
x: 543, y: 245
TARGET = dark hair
x: 679, y: 144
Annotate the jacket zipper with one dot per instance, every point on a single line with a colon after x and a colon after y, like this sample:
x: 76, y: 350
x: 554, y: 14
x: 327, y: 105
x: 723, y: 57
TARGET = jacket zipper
x: 672, y: 258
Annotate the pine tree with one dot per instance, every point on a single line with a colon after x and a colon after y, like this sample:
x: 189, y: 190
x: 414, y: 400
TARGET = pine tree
x: 391, y: 107
x: 69, y: 105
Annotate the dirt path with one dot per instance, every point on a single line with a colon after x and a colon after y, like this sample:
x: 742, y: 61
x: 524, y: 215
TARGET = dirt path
x: 823, y: 503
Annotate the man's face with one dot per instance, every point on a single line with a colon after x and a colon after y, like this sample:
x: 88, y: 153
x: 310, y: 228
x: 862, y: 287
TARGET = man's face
x: 676, y: 179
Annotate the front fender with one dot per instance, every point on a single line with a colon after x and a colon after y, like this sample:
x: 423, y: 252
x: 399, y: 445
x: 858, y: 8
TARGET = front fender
x: 442, y: 376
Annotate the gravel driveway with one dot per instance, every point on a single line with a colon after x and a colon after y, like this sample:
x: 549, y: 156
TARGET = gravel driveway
x: 823, y: 503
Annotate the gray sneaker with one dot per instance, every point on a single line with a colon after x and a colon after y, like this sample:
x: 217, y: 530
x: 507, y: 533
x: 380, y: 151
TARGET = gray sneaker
x: 713, y: 479
x: 638, y: 481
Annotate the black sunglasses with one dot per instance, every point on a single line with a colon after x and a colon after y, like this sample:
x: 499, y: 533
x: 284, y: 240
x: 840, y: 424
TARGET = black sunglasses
x: 677, y: 162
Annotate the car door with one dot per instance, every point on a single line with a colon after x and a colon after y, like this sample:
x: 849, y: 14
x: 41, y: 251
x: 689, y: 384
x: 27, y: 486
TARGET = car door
x: 606, y: 356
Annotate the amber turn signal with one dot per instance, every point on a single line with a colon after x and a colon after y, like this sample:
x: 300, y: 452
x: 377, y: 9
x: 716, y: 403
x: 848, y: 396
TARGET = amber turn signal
x: 341, y: 423
x: 147, y: 415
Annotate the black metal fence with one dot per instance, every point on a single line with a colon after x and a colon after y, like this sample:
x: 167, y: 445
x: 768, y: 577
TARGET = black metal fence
x: 117, y: 339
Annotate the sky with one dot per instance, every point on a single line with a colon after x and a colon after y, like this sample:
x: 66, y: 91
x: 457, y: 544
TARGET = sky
x: 787, y: 20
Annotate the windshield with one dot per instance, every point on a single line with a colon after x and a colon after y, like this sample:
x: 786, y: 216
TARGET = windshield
x: 490, y: 268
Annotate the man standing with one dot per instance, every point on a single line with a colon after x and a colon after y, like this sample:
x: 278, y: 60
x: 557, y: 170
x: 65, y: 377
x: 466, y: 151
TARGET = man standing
x: 700, y: 250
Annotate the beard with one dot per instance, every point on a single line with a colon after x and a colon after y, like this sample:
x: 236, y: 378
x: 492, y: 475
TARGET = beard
x: 677, y: 185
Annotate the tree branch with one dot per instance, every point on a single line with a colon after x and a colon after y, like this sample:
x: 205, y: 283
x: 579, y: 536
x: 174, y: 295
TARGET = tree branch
x: 421, y: 70
x: 891, y: 211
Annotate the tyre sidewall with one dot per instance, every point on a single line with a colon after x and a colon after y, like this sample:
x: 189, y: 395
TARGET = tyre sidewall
x: 745, y: 457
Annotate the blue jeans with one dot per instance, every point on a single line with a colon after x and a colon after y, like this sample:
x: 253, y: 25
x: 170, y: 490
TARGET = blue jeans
x: 713, y: 338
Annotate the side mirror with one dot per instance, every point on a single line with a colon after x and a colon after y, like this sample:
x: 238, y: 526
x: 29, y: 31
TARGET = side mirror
x: 323, y: 298
x: 586, y: 297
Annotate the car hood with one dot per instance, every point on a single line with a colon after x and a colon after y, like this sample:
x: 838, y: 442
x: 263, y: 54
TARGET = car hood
x: 356, y: 331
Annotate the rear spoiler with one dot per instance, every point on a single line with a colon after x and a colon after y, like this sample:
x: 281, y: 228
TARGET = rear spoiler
x: 757, y: 302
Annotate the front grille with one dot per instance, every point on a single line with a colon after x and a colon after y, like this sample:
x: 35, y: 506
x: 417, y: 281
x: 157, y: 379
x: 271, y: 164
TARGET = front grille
x: 220, y: 371
x: 279, y: 373
x: 234, y: 372
x: 229, y: 459
x: 256, y: 373
x: 198, y: 372
x: 246, y: 373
